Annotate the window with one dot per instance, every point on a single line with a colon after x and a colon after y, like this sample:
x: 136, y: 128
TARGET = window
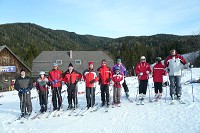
x: 77, y: 62
x: 59, y: 62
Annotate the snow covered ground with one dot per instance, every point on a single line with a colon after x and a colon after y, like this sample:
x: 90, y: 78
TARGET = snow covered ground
x: 153, y: 117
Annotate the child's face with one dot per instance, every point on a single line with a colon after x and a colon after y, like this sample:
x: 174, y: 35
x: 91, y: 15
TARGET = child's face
x: 117, y: 71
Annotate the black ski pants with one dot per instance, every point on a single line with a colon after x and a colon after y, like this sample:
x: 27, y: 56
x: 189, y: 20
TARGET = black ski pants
x: 90, y: 96
x: 56, y: 98
x: 25, y: 102
x: 72, y: 94
x: 158, y: 87
x: 143, y: 86
x: 105, y: 93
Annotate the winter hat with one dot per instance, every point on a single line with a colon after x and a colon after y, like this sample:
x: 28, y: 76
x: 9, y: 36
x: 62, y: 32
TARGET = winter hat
x: 172, y: 50
x: 119, y: 60
x: 91, y: 62
x: 158, y: 59
x: 117, y: 68
x: 22, y: 70
x: 55, y: 64
x: 70, y: 65
x: 103, y: 61
x: 42, y: 73
x: 142, y: 58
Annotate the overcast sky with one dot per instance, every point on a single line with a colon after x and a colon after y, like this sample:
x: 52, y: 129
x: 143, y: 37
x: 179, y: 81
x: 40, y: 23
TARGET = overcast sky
x: 108, y: 18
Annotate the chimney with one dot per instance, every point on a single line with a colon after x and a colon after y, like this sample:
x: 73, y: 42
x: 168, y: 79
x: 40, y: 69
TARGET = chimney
x: 70, y: 54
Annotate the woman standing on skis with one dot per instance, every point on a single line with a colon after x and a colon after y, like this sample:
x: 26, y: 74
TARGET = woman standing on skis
x: 42, y: 88
x: 143, y: 70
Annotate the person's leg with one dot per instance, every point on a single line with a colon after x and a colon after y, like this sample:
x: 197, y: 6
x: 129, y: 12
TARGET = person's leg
x: 178, y: 86
x: 172, y: 86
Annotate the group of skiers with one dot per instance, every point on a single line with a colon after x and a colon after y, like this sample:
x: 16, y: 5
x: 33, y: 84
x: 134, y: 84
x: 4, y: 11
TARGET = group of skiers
x: 172, y: 66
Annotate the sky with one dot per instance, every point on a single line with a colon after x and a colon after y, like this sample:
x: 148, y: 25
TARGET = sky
x: 107, y: 18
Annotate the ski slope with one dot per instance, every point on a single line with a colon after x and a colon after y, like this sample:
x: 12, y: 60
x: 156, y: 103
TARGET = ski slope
x: 153, y: 117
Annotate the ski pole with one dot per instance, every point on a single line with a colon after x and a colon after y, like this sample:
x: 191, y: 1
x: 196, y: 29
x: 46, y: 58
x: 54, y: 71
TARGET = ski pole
x: 149, y: 92
x: 138, y: 88
x: 166, y: 90
x: 36, y: 102
x: 192, y: 86
x: 21, y: 102
x: 59, y: 97
x: 136, y: 95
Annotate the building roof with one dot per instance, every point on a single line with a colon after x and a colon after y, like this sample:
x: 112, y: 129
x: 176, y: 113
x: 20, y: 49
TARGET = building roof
x: 44, y: 61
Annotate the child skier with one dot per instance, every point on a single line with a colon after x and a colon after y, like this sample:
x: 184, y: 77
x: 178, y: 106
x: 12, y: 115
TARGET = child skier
x: 118, y: 79
x: 158, y: 72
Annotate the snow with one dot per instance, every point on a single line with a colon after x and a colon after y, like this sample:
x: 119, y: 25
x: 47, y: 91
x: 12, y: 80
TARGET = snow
x: 153, y: 117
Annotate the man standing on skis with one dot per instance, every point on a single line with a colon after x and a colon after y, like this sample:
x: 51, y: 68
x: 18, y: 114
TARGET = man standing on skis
x: 42, y: 87
x: 23, y: 85
x: 142, y: 70
x: 158, y: 72
x: 71, y: 78
x: 105, y: 76
x: 90, y: 77
x: 123, y: 71
x: 174, y: 63
x: 55, y: 79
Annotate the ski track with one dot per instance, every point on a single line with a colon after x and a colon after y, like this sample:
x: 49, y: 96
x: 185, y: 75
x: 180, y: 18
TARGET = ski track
x: 155, y: 117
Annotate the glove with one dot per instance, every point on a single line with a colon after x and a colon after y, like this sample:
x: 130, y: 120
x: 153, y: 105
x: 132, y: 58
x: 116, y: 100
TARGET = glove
x: 54, y: 82
x: 108, y: 80
x: 23, y: 91
x: 92, y: 81
x: 20, y: 90
x: 167, y: 69
x: 141, y: 73
x: 147, y: 72
x: 190, y: 65
x: 67, y: 85
x: 76, y: 82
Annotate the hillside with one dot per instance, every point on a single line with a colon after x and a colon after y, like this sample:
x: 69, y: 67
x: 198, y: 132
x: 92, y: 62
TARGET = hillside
x: 27, y: 40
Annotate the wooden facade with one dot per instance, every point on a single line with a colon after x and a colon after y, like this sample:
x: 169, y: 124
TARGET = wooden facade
x: 8, y: 58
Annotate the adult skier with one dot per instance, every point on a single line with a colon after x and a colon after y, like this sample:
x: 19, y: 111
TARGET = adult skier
x: 55, y: 79
x: 174, y: 63
x: 142, y: 70
x: 90, y: 77
x: 42, y: 87
x: 71, y: 78
x: 105, y: 76
x: 23, y: 85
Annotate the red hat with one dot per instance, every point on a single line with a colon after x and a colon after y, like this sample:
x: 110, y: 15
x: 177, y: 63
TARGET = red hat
x: 91, y: 62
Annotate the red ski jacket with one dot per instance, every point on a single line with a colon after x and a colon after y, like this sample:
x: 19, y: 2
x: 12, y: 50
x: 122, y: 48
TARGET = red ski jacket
x: 143, y: 67
x: 90, y: 77
x: 55, y: 78
x: 158, y: 72
x: 72, y: 78
x: 105, y: 75
x: 118, y: 80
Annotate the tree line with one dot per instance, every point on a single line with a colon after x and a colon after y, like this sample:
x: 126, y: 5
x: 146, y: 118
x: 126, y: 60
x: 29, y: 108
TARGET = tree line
x: 28, y: 40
